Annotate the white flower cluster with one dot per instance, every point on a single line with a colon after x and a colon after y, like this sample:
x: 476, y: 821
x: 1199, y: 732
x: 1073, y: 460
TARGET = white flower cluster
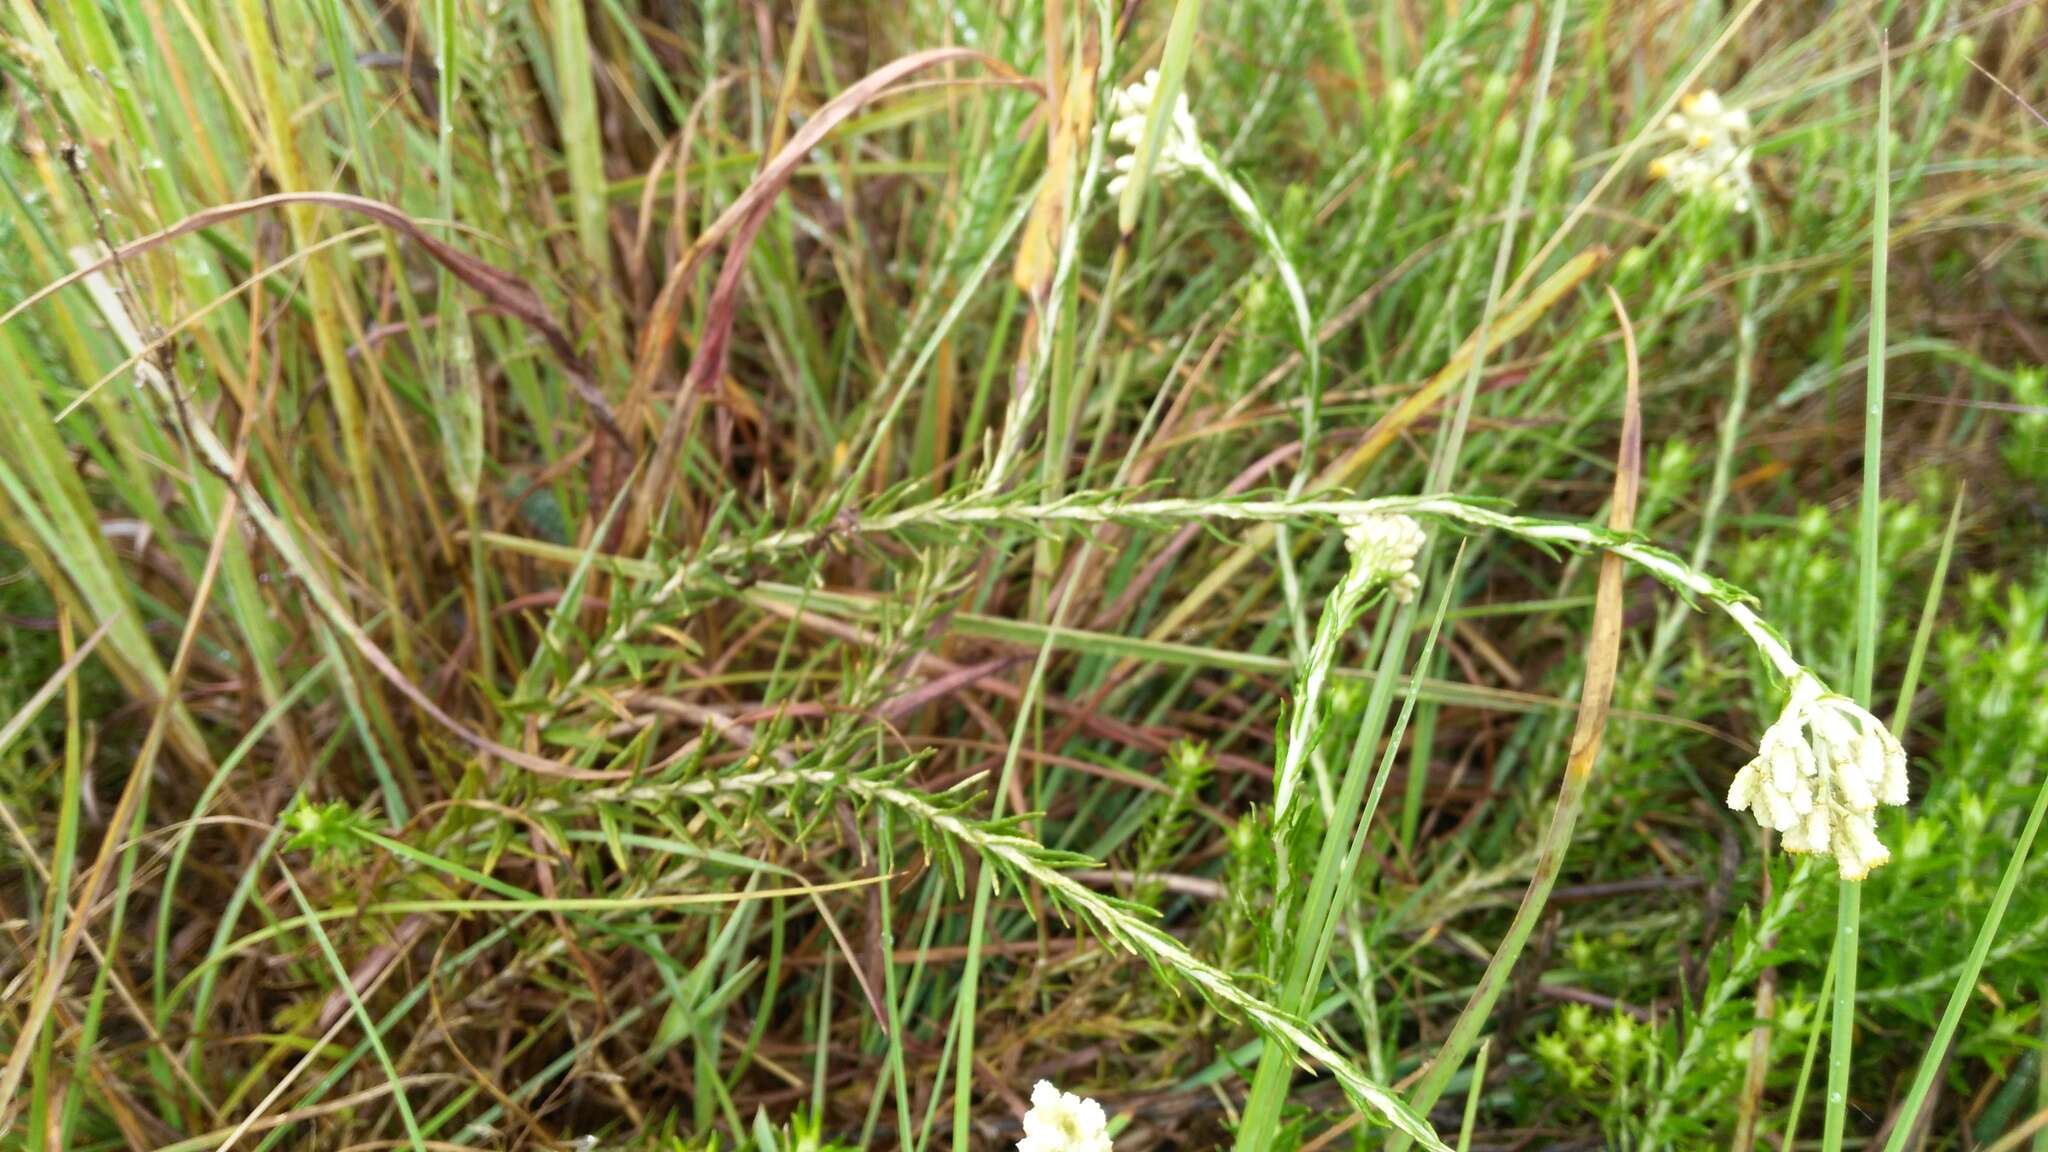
x: 1179, y: 151
x: 1063, y: 1122
x: 1386, y: 546
x: 1819, y: 776
x: 1714, y: 160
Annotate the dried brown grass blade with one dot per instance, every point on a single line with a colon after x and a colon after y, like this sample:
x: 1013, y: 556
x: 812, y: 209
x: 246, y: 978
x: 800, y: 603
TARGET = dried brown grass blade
x: 742, y: 221
x: 1037, y: 252
x: 504, y: 292
x: 1603, y: 651
x: 1604, y: 647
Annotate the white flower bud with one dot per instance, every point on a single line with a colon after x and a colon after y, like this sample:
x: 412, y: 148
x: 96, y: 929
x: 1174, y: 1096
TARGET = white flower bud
x: 1063, y: 1122
x: 1128, y: 108
x: 1820, y: 773
x: 1386, y: 546
x: 1713, y: 160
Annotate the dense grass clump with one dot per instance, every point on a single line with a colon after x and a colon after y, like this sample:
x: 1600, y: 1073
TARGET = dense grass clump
x: 666, y: 576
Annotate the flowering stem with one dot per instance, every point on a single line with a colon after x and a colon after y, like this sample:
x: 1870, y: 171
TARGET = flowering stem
x: 1842, y: 1020
x: 1727, y: 443
x: 1246, y: 206
x: 1306, y: 720
x: 1087, y: 508
x: 1115, y: 921
x: 1205, y: 164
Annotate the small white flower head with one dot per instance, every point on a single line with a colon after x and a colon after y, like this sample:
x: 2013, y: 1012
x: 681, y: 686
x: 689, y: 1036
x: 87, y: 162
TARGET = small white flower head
x: 1386, y: 546
x: 1063, y: 1122
x: 1819, y: 775
x: 1179, y: 151
x: 1713, y: 160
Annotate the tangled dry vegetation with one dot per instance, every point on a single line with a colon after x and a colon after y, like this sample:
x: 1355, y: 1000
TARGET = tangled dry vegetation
x: 656, y: 575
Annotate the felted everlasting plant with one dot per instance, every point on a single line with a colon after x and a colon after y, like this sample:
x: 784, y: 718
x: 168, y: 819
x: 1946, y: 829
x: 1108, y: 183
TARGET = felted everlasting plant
x: 1819, y: 775
x: 1713, y: 161
x: 1063, y: 1122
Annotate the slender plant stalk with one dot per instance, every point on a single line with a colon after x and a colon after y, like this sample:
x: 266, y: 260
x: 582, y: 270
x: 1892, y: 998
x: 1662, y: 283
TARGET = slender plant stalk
x: 1083, y: 509
x: 1909, y: 684
x: 65, y: 849
x: 1472, y: 1095
x: 1269, y: 1082
x: 1726, y: 444
x: 1849, y: 907
x: 1246, y: 207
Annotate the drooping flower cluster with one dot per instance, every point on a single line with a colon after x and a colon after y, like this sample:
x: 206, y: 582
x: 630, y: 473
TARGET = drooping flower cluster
x: 1180, y: 150
x: 1713, y: 161
x: 1063, y: 1122
x: 1819, y: 776
x: 1386, y: 546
